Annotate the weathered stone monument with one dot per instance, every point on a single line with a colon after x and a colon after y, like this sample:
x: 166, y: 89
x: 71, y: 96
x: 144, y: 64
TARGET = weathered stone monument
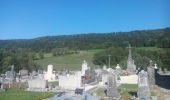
x: 1, y: 85
x: 143, y: 86
x: 10, y: 74
x: 131, y: 67
x: 89, y: 76
x: 84, y: 67
x: 118, y: 69
x: 112, y: 91
x: 23, y: 73
x: 151, y: 74
x: 37, y: 85
x: 50, y: 75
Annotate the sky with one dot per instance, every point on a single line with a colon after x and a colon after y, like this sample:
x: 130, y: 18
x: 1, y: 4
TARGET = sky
x: 25, y: 19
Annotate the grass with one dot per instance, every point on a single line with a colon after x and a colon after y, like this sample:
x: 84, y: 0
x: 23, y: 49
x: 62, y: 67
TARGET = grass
x: 72, y: 61
x: 127, y: 90
x: 100, y: 92
x: 129, y: 87
x: 18, y: 94
x: 149, y: 48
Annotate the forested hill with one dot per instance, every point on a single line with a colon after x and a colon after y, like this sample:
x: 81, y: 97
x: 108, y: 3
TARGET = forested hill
x: 142, y: 38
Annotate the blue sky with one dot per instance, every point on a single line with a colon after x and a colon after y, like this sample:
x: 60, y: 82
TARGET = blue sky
x: 33, y: 18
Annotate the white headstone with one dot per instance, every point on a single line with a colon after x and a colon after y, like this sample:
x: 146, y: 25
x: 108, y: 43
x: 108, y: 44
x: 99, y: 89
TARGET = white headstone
x: 49, y: 75
x: 156, y: 66
x: 84, y: 67
x: 37, y: 84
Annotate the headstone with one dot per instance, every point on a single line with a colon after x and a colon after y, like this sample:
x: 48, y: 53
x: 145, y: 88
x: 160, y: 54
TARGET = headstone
x: 84, y: 67
x: 112, y: 91
x: 37, y: 85
x: 10, y: 74
x: 156, y: 66
x: 151, y: 74
x: 118, y: 69
x: 50, y: 75
x: 34, y: 73
x: 72, y: 81
x: 143, y: 86
x: 104, y: 67
x: 165, y: 70
x: 89, y: 76
x: 23, y: 74
x: 1, y: 85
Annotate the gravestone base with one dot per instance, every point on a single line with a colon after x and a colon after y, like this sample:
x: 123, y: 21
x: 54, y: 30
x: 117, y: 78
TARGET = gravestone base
x: 37, y: 89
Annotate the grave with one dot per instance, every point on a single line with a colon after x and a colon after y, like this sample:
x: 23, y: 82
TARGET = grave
x: 23, y: 74
x: 84, y: 67
x: 151, y: 74
x: 1, y: 85
x: 37, y: 85
x: 10, y: 74
x: 50, y: 75
x: 89, y: 76
x: 143, y: 86
x: 71, y: 81
x: 112, y: 91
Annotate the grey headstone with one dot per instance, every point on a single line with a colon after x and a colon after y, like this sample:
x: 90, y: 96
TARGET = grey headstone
x: 112, y: 91
x: 151, y: 75
x: 23, y: 72
x: 143, y: 86
x: 10, y: 74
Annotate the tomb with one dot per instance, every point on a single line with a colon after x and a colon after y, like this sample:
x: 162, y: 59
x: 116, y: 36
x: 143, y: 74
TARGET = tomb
x: 143, y: 86
x: 50, y: 75
x: 37, y: 85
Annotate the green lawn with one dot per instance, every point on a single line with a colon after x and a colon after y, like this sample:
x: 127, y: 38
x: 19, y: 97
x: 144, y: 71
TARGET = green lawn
x: 126, y: 89
x: 148, y: 48
x: 129, y: 87
x: 72, y: 61
x: 18, y: 94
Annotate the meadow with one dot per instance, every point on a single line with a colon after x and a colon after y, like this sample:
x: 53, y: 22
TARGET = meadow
x: 71, y: 61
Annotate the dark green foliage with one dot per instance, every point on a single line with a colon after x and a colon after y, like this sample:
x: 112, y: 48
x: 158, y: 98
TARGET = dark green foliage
x: 117, y: 55
x: 22, y: 53
x: 20, y: 58
x: 141, y: 57
x: 144, y: 38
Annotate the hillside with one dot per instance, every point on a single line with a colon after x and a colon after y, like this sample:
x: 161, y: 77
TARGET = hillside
x: 142, y: 38
x: 68, y: 51
x: 71, y: 62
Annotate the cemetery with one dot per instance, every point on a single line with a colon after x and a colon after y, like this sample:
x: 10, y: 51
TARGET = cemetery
x: 97, y: 83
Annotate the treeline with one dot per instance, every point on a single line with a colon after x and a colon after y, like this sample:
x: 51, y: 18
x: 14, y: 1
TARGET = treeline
x: 20, y: 58
x: 140, y: 56
x: 22, y: 53
x: 144, y: 38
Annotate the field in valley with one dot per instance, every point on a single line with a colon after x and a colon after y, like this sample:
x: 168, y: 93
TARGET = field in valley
x: 71, y: 62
